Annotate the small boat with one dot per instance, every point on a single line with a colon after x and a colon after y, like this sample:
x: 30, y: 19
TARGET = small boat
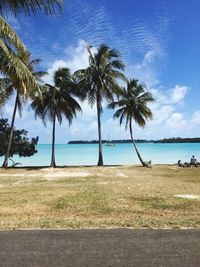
x: 109, y: 144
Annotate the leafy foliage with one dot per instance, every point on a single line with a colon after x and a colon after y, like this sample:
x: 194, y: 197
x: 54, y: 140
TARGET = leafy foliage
x: 21, y: 145
x: 99, y: 80
x: 14, y: 60
x: 13, y: 54
x: 57, y: 99
x: 16, y: 7
x: 8, y: 89
x: 132, y: 104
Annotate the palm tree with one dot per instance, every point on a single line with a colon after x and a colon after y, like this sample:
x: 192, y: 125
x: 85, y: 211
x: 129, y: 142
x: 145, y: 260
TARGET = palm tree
x: 29, y: 6
x: 132, y: 106
x: 99, y: 81
x: 14, y: 57
x: 13, y: 54
x: 8, y: 87
x: 57, y: 101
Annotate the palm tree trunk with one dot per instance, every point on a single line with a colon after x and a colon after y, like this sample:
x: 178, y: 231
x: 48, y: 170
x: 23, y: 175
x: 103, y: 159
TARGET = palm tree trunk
x: 100, y: 160
x: 7, y: 155
x: 144, y: 164
x: 53, y: 162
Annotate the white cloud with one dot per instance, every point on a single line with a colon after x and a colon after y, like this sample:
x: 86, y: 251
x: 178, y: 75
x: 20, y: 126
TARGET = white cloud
x: 172, y: 96
x: 161, y: 114
x: 88, y: 112
x: 145, y: 71
x: 112, y: 130
x: 82, y: 129
x: 196, y: 118
x: 166, y: 105
x: 76, y: 58
x: 176, y: 122
x: 55, y: 66
x: 178, y: 93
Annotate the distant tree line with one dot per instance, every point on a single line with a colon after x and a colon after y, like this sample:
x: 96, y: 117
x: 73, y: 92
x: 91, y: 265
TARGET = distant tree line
x: 126, y: 141
x: 178, y: 140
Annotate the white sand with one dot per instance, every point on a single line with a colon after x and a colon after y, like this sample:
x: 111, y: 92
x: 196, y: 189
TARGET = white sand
x: 189, y: 196
x: 122, y: 175
x: 48, y: 173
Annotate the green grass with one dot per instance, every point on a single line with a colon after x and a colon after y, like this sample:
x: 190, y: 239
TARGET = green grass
x: 99, y: 197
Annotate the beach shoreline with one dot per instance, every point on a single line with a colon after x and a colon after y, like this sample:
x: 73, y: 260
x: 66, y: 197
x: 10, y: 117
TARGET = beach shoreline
x: 121, y: 154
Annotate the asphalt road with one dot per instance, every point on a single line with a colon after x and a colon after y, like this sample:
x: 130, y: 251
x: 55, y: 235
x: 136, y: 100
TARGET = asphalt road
x: 120, y: 247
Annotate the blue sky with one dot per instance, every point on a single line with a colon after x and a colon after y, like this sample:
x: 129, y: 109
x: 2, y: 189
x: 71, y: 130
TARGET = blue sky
x: 159, y: 42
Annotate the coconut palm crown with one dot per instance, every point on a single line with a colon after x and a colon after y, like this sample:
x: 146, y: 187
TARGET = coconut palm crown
x: 57, y: 102
x: 100, y: 80
x: 132, y: 106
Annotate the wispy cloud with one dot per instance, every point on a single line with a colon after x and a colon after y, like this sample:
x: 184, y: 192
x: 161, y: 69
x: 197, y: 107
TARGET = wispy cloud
x: 93, y: 22
x: 75, y: 58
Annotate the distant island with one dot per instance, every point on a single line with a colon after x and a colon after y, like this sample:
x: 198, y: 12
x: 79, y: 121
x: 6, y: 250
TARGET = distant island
x: 126, y: 141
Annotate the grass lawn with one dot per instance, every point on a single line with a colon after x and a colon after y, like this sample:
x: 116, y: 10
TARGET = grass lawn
x: 95, y: 197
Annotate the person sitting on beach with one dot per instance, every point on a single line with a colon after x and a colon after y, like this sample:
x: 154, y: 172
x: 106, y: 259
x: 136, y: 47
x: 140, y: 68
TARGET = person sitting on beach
x: 180, y: 164
x: 193, y: 161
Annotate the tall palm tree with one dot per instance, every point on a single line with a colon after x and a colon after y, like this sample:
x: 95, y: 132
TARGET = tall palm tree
x: 57, y: 101
x: 8, y: 87
x: 14, y: 55
x: 99, y: 81
x: 132, y: 106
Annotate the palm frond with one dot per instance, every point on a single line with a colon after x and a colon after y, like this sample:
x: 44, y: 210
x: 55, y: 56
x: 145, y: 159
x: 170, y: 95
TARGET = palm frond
x: 101, y: 77
x: 13, y: 67
x: 116, y: 64
x: 133, y: 103
x: 9, y: 37
x: 29, y: 6
x: 57, y: 99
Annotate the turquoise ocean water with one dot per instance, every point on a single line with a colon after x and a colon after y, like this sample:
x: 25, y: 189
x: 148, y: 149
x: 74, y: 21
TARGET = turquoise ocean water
x: 85, y: 154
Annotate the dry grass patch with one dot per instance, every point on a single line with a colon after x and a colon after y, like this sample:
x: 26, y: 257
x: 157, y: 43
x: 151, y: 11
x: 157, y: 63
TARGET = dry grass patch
x: 88, y: 197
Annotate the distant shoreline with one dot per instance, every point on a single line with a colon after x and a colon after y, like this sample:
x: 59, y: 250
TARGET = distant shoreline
x: 127, y: 141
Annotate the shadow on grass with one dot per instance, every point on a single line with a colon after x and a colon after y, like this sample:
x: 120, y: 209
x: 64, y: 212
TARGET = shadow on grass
x: 29, y: 168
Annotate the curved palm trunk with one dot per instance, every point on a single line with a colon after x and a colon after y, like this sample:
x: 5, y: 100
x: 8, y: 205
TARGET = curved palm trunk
x: 144, y: 164
x: 100, y: 160
x: 53, y: 162
x: 7, y: 155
